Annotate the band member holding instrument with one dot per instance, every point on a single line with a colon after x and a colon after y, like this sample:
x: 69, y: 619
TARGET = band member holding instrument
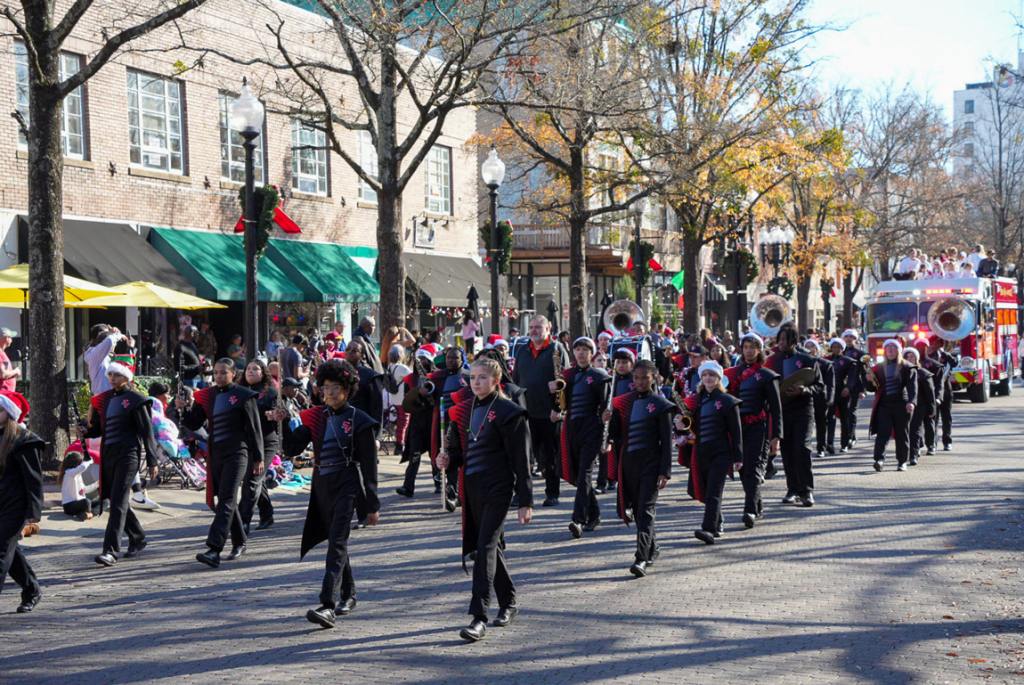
x: 924, y: 408
x: 641, y: 438
x: 418, y: 402
x: 622, y: 382
x: 824, y: 398
x: 487, y: 445
x: 534, y: 370
x: 761, y: 417
x: 445, y: 382
x: 855, y: 388
x: 895, y: 386
x: 842, y: 368
x: 718, y: 447
x: 582, y: 429
x: 944, y: 409
x: 797, y: 408
x: 345, y: 470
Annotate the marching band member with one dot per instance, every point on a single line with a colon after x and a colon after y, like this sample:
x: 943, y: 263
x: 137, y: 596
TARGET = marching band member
x: 718, y: 446
x: 853, y: 393
x: 944, y: 408
x: 842, y: 367
x: 895, y: 385
x: 487, y: 445
x: 420, y: 407
x: 924, y: 408
x: 604, y: 341
x: 622, y: 383
x: 534, y: 371
x: 761, y: 417
x: 797, y: 410
x: 824, y: 399
x: 21, y: 496
x: 344, y: 472
x: 641, y: 436
x: 582, y: 429
x: 447, y: 381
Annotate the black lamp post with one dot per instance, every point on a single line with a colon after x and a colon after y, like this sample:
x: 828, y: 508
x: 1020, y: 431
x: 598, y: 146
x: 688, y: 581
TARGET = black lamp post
x: 493, y: 173
x: 639, y: 207
x: 247, y: 119
x: 775, y: 247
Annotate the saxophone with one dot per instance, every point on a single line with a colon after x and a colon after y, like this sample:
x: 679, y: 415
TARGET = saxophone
x: 685, y: 417
x: 562, y: 398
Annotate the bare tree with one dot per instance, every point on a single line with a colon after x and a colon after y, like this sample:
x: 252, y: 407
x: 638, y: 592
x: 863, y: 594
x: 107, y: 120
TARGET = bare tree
x: 43, y: 34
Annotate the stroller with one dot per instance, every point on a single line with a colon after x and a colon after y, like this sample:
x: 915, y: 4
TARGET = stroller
x: 175, y: 457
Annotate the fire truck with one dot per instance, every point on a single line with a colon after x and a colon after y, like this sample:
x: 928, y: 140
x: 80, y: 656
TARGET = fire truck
x: 976, y: 318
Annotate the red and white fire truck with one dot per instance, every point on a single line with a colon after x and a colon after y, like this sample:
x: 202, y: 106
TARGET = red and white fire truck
x: 975, y: 317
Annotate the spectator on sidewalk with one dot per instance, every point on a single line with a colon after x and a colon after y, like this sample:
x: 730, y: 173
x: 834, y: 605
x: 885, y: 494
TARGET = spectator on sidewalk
x: 274, y: 345
x: 291, y: 359
x: 397, y: 371
x: 369, y: 353
x: 103, y: 338
x: 8, y: 374
x: 206, y: 341
x: 235, y: 353
x: 186, y: 360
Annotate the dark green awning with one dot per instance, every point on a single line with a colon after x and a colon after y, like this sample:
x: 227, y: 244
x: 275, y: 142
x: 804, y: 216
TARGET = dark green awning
x: 214, y: 263
x: 327, y: 268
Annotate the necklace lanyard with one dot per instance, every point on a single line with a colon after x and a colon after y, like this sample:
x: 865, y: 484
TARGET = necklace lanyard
x: 337, y: 438
x: 476, y: 436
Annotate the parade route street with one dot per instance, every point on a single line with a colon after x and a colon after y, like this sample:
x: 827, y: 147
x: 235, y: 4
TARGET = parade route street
x: 891, y: 578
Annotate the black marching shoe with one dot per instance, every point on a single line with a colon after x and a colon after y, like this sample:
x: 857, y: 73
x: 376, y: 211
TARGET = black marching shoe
x: 592, y: 525
x: 475, y: 631
x: 749, y: 519
x: 947, y: 447
x: 105, y: 559
x: 576, y: 530
x: 323, y: 617
x: 265, y: 524
x: 405, y: 493
x: 878, y: 464
x: 704, y: 536
x: 790, y: 498
x: 236, y: 552
x: 930, y: 451
x: 902, y: 466
x: 347, y: 605
x: 135, y: 548
x: 807, y: 500
x: 550, y: 502
x: 210, y: 557
x: 770, y: 472
x: 830, y: 450
x: 913, y: 461
x: 505, y: 616
x: 639, y: 568
x: 449, y: 505
x: 629, y: 516
x: 29, y: 603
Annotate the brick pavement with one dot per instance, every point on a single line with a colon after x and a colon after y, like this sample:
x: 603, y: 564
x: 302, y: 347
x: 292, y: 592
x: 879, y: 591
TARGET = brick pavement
x: 890, y: 578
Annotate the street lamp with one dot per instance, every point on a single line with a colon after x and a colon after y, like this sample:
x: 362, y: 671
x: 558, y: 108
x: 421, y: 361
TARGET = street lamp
x: 776, y: 246
x: 246, y: 117
x: 639, y: 208
x: 493, y: 173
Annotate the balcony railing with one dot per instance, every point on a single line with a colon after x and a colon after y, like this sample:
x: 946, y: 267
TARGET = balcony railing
x: 544, y: 237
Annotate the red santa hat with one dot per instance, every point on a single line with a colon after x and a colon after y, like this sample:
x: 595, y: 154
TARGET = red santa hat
x: 119, y: 369
x: 604, y: 335
x: 15, y: 404
x: 668, y: 331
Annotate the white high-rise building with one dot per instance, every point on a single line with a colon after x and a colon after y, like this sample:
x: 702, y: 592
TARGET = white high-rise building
x: 986, y: 113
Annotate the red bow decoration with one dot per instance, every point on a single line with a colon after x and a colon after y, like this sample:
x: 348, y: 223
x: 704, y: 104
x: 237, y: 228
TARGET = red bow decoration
x: 283, y: 221
x: 652, y: 263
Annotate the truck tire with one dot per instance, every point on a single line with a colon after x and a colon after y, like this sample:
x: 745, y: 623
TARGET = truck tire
x: 1006, y: 385
x: 978, y: 393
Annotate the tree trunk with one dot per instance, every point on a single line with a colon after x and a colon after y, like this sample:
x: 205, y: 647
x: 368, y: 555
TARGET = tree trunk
x: 577, y: 247
x: 803, y: 305
x: 848, y: 293
x: 390, y: 241
x: 692, y: 280
x: 45, y: 337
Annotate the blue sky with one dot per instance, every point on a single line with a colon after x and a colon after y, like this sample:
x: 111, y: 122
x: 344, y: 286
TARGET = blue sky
x: 937, y: 46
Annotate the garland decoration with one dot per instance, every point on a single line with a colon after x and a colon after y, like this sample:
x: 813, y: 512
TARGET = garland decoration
x: 642, y: 271
x: 266, y: 199
x: 781, y: 285
x: 747, y: 261
x: 504, y: 243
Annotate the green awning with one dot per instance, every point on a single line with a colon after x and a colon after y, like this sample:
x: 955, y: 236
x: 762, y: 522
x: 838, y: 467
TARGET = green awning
x: 214, y: 263
x: 327, y: 267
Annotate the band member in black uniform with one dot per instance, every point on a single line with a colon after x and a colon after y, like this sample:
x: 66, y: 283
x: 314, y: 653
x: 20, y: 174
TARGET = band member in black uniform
x: 895, y: 385
x: 447, y: 381
x: 924, y: 407
x: 855, y: 388
x: 254, y: 492
x: 235, y: 448
x: 641, y: 438
x: 691, y: 379
x: 761, y: 417
x: 824, y: 398
x: 797, y: 412
x: 122, y: 418
x: 345, y: 470
x: 582, y: 429
x: 419, y: 404
x: 718, y: 438
x: 842, y: 368
x: 944, y: 408
x: 623, y: 360
x: 21, y: 497
x: 534, y: 371
x: 486, y: 443
x: 369, y: 399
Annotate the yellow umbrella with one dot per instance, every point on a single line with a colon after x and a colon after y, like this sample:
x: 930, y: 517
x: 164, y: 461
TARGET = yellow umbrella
x: 146, y: 294
x: 14, y: 292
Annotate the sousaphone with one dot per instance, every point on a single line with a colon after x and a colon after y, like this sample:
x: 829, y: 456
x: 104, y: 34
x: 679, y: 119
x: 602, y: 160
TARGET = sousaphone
x: 621, y: 315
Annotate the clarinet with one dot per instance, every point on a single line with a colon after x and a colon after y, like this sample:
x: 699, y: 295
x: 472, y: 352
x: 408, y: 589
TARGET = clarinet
x: 444, y: 449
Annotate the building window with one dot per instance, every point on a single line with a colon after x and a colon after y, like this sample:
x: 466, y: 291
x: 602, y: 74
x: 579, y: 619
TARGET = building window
x: 968, y: 106
x: 232, y: 154
x: 439, y: 180
x: 969, y: 128
x: 367, y: 160
x: 155, y: 123
x: 72, y: 125
x: 969, y: 150
x: 309, y: 159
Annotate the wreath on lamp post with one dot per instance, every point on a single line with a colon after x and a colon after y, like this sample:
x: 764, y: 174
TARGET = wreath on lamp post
x: 504, y: 243
x: 642, y: 271
x: 266, y: 200
x: 826, y: 285
x: 747, y: 262
x: 781, y: 285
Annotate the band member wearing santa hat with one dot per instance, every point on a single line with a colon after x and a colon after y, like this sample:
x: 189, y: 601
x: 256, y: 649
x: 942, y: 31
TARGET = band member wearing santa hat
x: 924, y: 407
x: 232, y: 420
x: 622, y: 382
x: 604, y: 341
x: 419, y: 405
x: 447, y: 381
x: 487, y: 446
x: 582, y: 429
x: 797, y: 413
x: 894, y: 383
x: 641, y: 436
x: 123, y: 419
x: 344, y: 472
x: 21, y: 496
x: 718, y: 439
x: 534, y: 370
x: 944, y: 363
x: 842, y: 369
x: 855, y: 388
x: 761, y: 418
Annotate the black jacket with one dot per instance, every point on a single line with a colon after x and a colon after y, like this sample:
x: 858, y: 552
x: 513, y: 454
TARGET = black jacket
x: 21, y: 485
x: 534, y: 373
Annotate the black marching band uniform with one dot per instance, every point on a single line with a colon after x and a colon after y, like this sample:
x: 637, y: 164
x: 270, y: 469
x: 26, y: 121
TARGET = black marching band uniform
x: 123, y: 419
x: 419, y: 405
x: 941, y: 363
x: 844, y: 369
x: 924, y: 412
x: 254, y: 490
x: 235, y: 445
x: 824, y: 400
x: 446, y: 383
x: 344, y: 473
x: 582, y: 429
x: 895, y: 385
x: 21, y: 500
x: 856, y: 384
x: 641, y: 438
x: 608, y: 477
x: 719, y: 445
x: 486, y: 444
x: 797, y: 413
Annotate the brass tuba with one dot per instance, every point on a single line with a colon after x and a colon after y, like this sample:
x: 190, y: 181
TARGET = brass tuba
x: 952, y: 318
x: 769, y: 314
x: 621, y: 315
